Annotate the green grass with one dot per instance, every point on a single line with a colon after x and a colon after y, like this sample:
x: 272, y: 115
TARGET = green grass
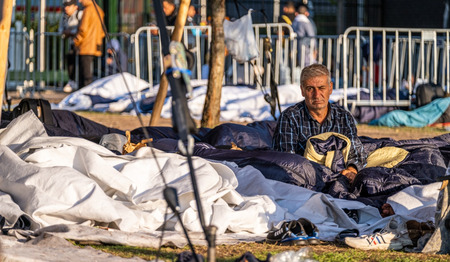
x: 228, y: 253
x: 50, y: 76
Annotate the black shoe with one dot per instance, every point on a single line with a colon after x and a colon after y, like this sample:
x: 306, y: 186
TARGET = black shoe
x: 311, y: 230
x: 351, y: 232
x: 290, y: 233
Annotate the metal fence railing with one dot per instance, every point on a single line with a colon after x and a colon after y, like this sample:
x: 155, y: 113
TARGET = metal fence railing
x: 391, y: 60
x: 34, y: 68
x: 288, y: 56
x: 20, y: 64
x: 376, y: 60
x: 147, y: 51
x: 197, y: 39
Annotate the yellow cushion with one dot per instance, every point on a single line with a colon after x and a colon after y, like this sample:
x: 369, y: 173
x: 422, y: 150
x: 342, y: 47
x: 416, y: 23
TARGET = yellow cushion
x: 386, y: 157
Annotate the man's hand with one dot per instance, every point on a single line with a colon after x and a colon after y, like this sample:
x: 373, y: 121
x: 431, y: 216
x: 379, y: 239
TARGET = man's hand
x: 350, y: 172
x: 67, y: 33
x: 154, y: 31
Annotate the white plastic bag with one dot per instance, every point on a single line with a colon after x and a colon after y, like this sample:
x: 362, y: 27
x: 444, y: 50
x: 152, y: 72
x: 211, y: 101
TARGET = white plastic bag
x: 240, y: 38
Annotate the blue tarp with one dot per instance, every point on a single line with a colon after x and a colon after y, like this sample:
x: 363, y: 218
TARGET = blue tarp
x: 420, y: 117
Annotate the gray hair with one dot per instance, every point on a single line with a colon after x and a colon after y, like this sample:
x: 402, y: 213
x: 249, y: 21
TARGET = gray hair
x: 313, y: 71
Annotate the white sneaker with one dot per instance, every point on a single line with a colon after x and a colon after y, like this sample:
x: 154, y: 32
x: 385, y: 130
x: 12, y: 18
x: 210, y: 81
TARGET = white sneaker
x: 67, y: 89
x: 393, y: 237
x: 381, y: 241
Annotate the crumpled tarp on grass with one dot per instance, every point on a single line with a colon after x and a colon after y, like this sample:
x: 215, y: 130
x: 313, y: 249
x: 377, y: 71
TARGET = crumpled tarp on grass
x: 62, y: 180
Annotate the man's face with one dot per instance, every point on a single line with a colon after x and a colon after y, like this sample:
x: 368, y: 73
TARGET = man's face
x: 70, y: 9
x: 317, y: 91
x: 191, y: 11
x: 168, y: 8
x: 288, y: 10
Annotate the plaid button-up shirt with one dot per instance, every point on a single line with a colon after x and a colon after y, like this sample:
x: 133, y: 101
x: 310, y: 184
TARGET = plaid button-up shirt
x: 295, y: 126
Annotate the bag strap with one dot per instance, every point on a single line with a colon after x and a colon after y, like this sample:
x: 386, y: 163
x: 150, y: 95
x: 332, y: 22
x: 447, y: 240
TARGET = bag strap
x: 46, y: 112
x: 28, y: 104
x: 286, y: 19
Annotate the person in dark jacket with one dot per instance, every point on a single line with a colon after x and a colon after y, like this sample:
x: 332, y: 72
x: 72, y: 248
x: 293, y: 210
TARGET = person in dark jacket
x: 112, y: 67
x: 316, y: 115
x: 170, y: 10
x: 68, y: 28
x: 306, y: 31
x: 288, y: 15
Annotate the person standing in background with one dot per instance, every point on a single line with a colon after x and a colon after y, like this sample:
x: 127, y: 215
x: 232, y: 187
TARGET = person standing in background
x: 192, y: 12
x: 305, y: 31
x: 89, y: 40
x: 68, y: 27
x: 190, y: 21
x: 192, y: 36
x: 171, y: 12
x: 121, y: 56
x: 288, y: 15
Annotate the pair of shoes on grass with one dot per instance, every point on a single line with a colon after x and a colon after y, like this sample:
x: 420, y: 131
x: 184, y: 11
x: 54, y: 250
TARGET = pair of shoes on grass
x: 394, y: 236
x: 294, y: 232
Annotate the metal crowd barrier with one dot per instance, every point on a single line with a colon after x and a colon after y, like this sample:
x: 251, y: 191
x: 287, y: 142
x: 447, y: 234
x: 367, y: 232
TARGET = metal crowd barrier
x: 326, y: 50
x: 147, y: 51
x: 381, y: 60
x: 281, y: 59
x: 392, y: 60
x: 197, y: 39
x: 19, y: 60
x: 288, y: 56
x: 45, y: 68
x: 34, y: 68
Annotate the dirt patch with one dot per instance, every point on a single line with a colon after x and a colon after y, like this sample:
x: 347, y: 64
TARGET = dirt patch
x: 399, y: 133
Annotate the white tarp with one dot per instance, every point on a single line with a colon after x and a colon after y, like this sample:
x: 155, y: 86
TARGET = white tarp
x: 110, y: 88
x: 237, y: 103
x: 61, y: 180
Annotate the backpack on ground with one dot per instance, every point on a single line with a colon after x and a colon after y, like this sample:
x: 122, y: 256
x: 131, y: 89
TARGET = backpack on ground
x: 426, y: 93
x: 41, y: 108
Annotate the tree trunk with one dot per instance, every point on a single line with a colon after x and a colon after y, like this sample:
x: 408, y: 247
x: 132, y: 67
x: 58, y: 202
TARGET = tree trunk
x: 5, y: 25
x: 211, y: 109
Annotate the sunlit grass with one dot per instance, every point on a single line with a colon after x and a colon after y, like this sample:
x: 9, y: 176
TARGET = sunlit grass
x: 326, y: 252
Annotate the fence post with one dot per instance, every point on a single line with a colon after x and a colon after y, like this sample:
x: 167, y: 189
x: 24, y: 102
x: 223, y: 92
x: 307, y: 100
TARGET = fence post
x: 41, y: 43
